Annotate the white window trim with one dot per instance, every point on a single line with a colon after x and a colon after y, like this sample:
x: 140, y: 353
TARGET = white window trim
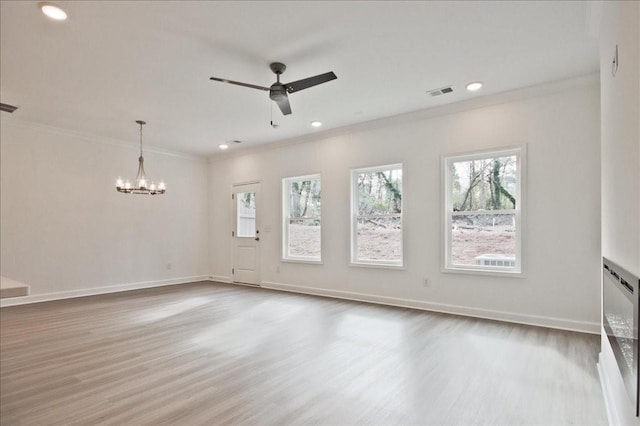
x: 519, y: 270
x: 285, y: 217
x: 354, y: 261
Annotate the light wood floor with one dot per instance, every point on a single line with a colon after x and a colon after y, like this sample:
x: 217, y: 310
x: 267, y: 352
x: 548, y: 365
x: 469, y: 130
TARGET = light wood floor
x: 207, y: 353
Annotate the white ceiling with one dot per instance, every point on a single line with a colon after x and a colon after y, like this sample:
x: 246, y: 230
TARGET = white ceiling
x: 113, y: 62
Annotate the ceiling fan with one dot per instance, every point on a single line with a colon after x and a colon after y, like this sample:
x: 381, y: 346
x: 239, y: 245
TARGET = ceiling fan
x: 279, y: 92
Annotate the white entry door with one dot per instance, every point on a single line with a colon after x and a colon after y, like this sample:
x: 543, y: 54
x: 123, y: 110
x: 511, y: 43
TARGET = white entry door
x: 246, y: 235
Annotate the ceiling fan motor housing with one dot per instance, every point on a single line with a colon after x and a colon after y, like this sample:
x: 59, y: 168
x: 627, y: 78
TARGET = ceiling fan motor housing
x: 277, y: 92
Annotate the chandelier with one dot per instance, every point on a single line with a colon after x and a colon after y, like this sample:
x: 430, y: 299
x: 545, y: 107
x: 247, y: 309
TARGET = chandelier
x: 141, y: 185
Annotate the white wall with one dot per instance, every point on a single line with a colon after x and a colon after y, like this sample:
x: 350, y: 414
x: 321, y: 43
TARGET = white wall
x: 562, y: 245
x: 620, y: 169
x: 65, y: 228
x: 621, y: 135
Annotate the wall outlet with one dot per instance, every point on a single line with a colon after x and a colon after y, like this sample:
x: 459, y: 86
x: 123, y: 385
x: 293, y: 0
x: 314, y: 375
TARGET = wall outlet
x: 169, y: 266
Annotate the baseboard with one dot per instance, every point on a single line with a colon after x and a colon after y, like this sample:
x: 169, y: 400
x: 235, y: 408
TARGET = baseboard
x: 37, y: 298
x: 612, y: 413
x: 549, y: 322
x: 541, y: 321
x: 620, y: 407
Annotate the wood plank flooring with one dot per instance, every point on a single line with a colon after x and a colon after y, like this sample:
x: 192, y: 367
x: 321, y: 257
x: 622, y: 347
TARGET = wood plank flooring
x: 209, y: 353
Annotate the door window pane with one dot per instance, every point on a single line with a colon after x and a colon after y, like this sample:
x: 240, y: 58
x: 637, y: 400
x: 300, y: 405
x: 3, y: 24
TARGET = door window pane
x: 246, y: 214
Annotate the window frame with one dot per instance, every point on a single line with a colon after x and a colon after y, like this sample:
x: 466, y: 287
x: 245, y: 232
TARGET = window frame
x: 520, y: 152
x: 354, y: 261
x: 286, y: 217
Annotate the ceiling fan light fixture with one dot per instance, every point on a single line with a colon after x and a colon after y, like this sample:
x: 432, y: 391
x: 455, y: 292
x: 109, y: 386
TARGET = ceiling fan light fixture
x: 53, y: 11
x: 474, y: 86
x: 316, y: 123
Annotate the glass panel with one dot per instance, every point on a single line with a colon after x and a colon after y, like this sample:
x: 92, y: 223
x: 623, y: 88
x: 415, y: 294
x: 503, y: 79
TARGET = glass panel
x: 486, y: 184
x: 619, y: 324
x: 380, y: 239
x: 484, y: 240
x: 380, y: 192
x: 246, y: 211
x: 304, y: 198
x: 304, y: 238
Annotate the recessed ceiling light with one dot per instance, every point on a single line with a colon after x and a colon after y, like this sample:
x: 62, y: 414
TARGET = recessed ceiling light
x: 474, y: 86
x: 223, y: 146
x: 316, y: 123
x: 53, y: 11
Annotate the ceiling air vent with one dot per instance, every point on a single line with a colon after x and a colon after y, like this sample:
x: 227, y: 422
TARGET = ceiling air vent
x: 7, y: 108
x: 440, y: 91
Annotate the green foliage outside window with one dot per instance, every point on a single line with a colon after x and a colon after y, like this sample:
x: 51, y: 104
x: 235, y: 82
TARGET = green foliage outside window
x: 486, y: 184
x: 380, y: 193
x: 305, y: 198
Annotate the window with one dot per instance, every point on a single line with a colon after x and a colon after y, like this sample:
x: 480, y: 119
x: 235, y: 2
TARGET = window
x: 483, y: 206
x: 301, y: 236
x: 376, y: 225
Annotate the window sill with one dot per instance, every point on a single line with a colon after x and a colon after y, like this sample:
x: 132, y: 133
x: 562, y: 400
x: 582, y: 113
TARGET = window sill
x: 377, y: 266
x: 485, y: 272
x: 307, y: 261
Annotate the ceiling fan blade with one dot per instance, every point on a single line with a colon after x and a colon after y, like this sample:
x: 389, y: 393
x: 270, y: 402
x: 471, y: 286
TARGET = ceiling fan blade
x: 305, y: 83
x: 252, y: 86
x: 283, y: 104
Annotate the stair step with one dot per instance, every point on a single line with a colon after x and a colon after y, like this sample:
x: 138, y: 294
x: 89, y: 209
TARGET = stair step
x: 11, y: 288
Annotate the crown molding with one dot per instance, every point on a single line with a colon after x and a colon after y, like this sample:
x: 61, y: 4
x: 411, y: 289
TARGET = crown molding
x: 96, y: 139
x: 544, y: 89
